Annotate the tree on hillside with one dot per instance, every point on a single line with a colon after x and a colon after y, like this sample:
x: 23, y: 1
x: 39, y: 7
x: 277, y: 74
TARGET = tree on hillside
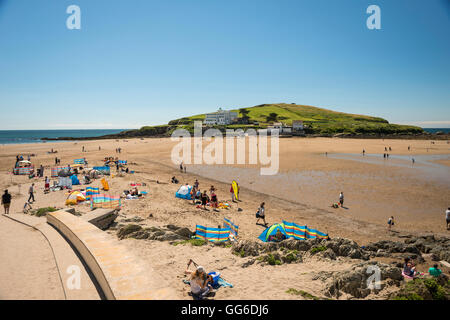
x: 272, y: 117
x: 245, y: 117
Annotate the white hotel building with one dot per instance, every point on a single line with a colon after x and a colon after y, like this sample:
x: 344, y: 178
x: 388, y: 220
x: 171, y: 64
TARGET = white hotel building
x: 221, y: 117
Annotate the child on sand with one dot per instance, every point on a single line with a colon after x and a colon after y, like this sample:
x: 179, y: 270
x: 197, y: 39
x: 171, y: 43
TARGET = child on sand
x: 6, y: 201
x: 390, y: 222
x: 447, y: 217
x: 214, y: 201
x: 204, y: 199
x: 261, y: 214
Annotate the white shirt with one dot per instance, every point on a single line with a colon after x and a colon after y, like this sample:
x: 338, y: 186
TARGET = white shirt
x: 447, y: 214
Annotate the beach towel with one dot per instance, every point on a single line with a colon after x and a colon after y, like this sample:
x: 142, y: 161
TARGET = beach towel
x: 212, y: 234
x: 220, y: 283
x: 233, y: 228
x: 105, y: 201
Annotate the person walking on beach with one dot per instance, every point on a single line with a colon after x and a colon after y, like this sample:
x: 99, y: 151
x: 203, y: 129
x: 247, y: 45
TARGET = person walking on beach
x: 364, y: 152
x: 233, y: 198
x: 181, y: 167
x: 6, y: 201
x: 31, y: 192
x: 196, y: 184
x: 341, y: 199
x: 204, y: 199
x: 447, y: 217
x: 390, y: 222
x: 413, y: 161
x: 261, y: 214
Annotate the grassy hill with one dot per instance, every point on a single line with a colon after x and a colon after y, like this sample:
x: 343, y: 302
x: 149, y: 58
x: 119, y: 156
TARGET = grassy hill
x: 316, y: 120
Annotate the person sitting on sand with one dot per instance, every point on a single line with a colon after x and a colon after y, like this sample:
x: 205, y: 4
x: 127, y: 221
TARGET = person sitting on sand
x: 199, y: 281
x: 261, y: 214
x: 174, y: 180
x: 134, y: 192
x: 434, y: 271
x: 279, y: 236
x: 409, y: 269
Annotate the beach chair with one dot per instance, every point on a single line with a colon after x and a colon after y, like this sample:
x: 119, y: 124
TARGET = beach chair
x: 105, y: 184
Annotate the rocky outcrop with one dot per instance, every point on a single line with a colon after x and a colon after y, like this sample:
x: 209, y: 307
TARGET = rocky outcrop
x: 413, y: 247
x: 337, y: 247
x: 153, y: 233
x: 358, y: 283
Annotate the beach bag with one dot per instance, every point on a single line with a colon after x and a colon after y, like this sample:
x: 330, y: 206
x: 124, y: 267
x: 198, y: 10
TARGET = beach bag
x: 215, y: 277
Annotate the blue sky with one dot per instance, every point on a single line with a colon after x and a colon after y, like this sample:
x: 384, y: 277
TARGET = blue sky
x: 144, y: 62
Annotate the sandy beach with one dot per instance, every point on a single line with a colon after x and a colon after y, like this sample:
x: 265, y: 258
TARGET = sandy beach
x: 312, y: 173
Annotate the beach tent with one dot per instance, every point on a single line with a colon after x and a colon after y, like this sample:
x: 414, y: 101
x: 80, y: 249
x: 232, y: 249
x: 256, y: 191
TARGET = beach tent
x: 272, y: 231
x: 65, y: 182
x: 75, y: 180
x: 233, y: 228
x: 105, y: 201
x: 184, y: 192
x: 212, y: 234
x: 91, y: 191
x: 235, y: 189
x: 105, y: 184
x: 103, y: 170
x: 74, y: 198
x: 302, y: 232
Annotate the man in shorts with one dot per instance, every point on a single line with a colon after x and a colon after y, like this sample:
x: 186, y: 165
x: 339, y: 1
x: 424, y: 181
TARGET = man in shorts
x: 6, y: 201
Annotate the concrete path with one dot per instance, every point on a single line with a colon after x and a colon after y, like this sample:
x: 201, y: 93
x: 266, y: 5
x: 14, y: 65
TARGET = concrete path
x: 27, y: 267
x: 41, y: 247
